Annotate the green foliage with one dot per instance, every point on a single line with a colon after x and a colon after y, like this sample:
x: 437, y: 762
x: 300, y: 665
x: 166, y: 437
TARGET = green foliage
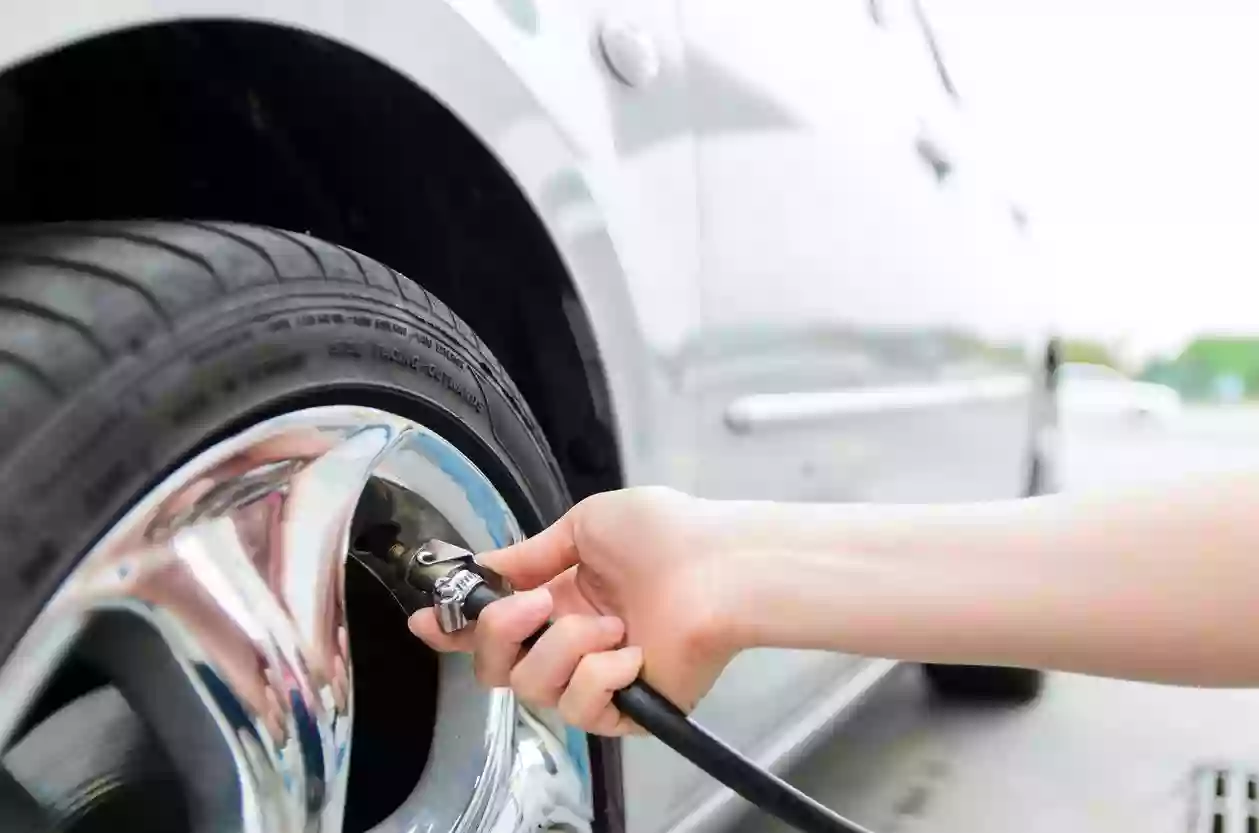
x: 1089, y: 352
x: 1220, y: 354
x: 1206, y: 363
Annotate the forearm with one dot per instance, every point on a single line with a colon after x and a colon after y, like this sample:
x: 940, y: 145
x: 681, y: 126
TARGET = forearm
x: 1161, y: 584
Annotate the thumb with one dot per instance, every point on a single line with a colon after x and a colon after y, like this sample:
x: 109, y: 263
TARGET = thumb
x: 536, y: 560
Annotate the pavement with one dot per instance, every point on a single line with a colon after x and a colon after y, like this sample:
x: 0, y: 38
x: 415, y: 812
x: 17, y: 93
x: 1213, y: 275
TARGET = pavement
x: 1092, y: 755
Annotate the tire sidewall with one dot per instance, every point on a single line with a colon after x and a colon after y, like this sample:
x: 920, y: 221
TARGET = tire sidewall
x: 254, y: 355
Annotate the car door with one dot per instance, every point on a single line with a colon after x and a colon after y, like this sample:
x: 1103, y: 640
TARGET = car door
x: 862, y: 325
x: 857, y: 280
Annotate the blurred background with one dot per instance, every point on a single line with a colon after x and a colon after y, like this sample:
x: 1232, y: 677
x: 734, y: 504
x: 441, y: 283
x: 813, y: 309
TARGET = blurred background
x: 1129, y: 129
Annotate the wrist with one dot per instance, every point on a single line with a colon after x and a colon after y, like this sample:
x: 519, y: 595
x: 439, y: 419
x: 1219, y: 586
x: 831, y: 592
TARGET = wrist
x: 858, y: 578
x: 773, y: 574
x: 716, y: 562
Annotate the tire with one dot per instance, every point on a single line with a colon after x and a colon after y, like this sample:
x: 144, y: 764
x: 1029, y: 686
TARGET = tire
x: 983, y: 684
x: 994, y: 684
x: 127, y: 347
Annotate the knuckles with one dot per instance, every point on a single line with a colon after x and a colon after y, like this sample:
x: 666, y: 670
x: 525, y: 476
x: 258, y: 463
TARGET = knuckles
x: 533, y: 691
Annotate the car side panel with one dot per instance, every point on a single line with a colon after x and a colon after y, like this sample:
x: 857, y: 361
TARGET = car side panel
x: 864, y: 319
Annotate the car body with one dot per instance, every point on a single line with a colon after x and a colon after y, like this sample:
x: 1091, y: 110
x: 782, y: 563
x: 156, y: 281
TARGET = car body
x: 788, y: 272
x: 1093, y: 390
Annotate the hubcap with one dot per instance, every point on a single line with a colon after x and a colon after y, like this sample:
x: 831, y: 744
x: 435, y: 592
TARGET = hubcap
x: 217, y: 606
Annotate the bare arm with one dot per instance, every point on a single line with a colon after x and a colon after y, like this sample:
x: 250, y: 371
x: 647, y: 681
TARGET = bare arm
x: 1160, y: 584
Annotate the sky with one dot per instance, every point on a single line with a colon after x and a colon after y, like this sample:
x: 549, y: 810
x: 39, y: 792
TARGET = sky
x: 1130, y: 130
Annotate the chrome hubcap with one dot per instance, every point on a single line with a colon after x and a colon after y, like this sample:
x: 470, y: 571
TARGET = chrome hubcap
x: 233, y: 570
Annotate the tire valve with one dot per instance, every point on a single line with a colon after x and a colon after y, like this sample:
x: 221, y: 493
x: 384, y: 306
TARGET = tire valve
x: 435, y: 574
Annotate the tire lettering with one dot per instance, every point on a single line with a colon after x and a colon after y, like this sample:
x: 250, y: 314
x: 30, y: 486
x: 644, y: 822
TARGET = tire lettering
x: 450, y: 356
x: 348, y: 349
x: 415, y: 363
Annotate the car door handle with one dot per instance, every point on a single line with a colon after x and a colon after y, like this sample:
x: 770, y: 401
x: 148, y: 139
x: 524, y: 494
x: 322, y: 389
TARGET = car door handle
x: 760, y: 411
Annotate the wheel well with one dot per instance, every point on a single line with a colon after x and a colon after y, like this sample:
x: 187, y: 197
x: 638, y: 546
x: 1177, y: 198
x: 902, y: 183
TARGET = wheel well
x: 263, y: 124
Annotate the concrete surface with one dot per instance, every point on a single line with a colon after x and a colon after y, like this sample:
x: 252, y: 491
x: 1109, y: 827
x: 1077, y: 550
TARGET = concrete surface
x: 1093, y: 755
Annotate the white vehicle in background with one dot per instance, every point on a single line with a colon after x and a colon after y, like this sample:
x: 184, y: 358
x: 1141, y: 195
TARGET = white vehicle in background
x: 1094, y: 390
x: 279, y: 277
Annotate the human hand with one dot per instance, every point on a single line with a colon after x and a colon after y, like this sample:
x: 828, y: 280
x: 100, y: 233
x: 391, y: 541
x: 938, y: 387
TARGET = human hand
x: 633, y: 583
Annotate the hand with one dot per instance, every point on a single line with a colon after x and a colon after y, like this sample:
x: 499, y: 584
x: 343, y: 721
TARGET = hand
x: 633, y: 581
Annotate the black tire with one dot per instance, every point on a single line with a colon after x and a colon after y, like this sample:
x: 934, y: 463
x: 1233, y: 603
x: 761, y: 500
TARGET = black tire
x: 998, y: 685
x: 125, y: 347
x: 985, y: 684
x: 98, y: 740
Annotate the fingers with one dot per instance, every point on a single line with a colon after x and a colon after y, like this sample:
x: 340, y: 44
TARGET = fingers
x: 573, y: 667
x: 541, y: 675
x: 536, y: 560
x: 495, y: 638
x: 502, y: 628
x: 587, y: 702
x: 423, y: 623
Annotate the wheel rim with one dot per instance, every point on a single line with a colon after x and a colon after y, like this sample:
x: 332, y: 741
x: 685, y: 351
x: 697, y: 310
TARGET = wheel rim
x: 236, y: 564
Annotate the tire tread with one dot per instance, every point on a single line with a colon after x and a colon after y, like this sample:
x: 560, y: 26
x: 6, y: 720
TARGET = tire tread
x: 358, y: 263
x: 302, y: 244
x: 31, y: 370
x: 53, y: 317
x: 95, y: 271
x: 215, y: 229
x: 287, y: 256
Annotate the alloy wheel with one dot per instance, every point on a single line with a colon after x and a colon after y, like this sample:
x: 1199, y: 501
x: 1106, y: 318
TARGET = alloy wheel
x: 217, y: 607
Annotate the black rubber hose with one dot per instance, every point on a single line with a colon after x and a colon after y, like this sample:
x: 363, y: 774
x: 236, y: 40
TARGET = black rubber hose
x: 654, y: 712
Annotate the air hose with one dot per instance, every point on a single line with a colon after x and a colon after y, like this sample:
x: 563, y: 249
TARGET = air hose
x: 459, y: 589
x: 657, y: 715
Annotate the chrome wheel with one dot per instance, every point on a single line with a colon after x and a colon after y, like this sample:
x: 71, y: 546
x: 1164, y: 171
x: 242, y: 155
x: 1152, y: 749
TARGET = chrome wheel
x: 217, y: 607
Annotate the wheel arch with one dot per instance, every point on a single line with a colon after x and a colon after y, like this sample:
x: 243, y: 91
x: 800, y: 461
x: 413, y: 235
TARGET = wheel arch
x: 343, y: 132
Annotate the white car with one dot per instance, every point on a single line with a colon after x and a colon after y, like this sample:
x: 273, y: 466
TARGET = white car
x: 1093, y: 390
x: 269, y: 269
